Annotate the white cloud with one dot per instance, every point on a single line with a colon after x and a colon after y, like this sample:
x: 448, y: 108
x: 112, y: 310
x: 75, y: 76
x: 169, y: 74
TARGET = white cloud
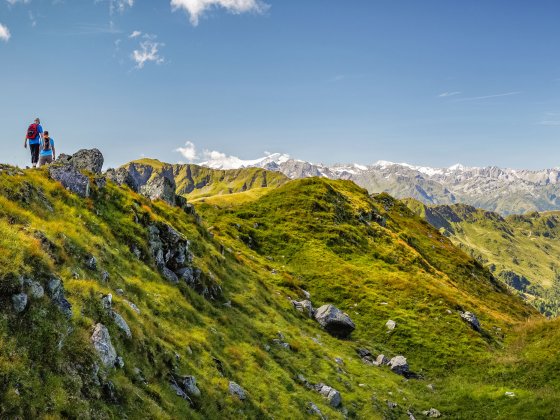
x: 12, y: 2
x: 196, y: 8
x: 188, y: 152
x: 447, y: 94
x: 497, y: 95
x: 120, y: 5
x: 4, y: 33
x: 148, y: 52
x: 135, y: 34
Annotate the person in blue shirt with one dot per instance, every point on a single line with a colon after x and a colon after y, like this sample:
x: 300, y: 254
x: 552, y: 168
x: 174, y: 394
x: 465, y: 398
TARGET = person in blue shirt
x: 47, y: 154
x: 34, y: 136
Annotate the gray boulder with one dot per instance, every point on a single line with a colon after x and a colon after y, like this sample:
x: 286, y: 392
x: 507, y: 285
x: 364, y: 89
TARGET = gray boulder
x: 56, y: 292
x: 121, y: 323
x: 399, y: 365
x: 122, y: 176
x: 71, y: 179
x: 331, y: 394
x: 334, y: 321
x: 471, y: 319
x: 314, y: 410
x: 305, y: 307
x: 101, y: 341
x: 237, y: 391
x: 382, y: 360
x: 88, y: 160
x: 19, y: 302
x: 160, y: 188
x: 432, y: 412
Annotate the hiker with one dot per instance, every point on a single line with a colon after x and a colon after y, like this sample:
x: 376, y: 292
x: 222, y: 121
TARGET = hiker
x: 47, y: 153
x: 34, y: 136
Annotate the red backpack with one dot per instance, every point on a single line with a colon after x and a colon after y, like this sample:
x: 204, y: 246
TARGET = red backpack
x: 32, y: 132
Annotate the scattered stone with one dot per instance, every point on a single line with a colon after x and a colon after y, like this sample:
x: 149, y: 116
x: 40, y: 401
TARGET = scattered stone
x: 281, y: 343
x: 105, y: 276
x: 169, y: 275
x: 366, y: 356
x: 471, y: 319
x: 339, y: 361
x: 392, y: 405
x: 399, y: 365
x: 34, y: 288
x: 133, y: 306
x: 119, y: 362
x: 314, y: 410
x: 306, y: 294
x: 237, y: 391
x: 119, y: 292
x: 382, y: 360
x: 121, y: 323
x: 305, y: 306
x: 432, y: 412
x: 510, y: 394
x: 107, y: 301
x: 331, y: 394
x: 19, y: 302
x: 91, y: 263
x: 431, y: 387
x: 102, y: 344
x: 334, y: 321
x: 410, y: 415
x: 390, y: 325
x: 55, y: 290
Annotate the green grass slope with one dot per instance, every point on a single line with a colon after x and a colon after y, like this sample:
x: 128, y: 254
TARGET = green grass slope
x: 373, y: 258
x: 196, y: 182
x: 521, y: 250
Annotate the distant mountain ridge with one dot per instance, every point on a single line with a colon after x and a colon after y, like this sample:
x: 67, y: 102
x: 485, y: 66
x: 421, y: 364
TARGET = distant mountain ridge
x: 505, y: 191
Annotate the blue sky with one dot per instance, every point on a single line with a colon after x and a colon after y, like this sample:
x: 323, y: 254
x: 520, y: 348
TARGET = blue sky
x: 431, y: 82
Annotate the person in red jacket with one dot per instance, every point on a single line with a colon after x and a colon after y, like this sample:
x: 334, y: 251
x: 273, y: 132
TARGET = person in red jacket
x: 34, y: 136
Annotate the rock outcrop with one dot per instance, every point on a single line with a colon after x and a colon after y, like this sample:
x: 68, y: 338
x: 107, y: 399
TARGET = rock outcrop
x: 331, y: 394
x: 471, y: 319
x: 55, y: 290
x: 236, y: 391
x: 305, y: 307
x: 71, y: 179
x: 101, y: 341
x: 334, y: 321
x: 19, y: 302
x: 160, y: 188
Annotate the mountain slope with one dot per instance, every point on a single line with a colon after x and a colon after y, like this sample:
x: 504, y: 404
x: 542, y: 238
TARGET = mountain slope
x: 194, y: 181
x: 228, y: 317
x: 521, y: 250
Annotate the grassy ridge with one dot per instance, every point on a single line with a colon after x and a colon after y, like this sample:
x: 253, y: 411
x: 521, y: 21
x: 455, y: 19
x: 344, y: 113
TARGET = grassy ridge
x: 373, y: 258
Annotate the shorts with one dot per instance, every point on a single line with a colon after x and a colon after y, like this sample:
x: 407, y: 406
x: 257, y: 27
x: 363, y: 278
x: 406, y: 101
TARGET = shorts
x: 34, y: 153
x: 45, y: 160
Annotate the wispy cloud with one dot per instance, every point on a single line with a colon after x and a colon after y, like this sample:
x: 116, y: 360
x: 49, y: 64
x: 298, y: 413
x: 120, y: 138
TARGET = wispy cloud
x: 480, y: 98
x: 135, y: 34
x: 551, y: 119
x: 448, y: 94
x: 4, y: 33
x: 197, y: 8
x: 95, y: 29
x: 148, y: 52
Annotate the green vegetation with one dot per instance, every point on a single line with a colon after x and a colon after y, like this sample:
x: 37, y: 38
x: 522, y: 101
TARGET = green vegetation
x: 520, y: 250
x: 371, y: 257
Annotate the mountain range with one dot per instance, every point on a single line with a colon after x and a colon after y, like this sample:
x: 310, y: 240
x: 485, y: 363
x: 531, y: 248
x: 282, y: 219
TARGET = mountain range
x: 505, y: 191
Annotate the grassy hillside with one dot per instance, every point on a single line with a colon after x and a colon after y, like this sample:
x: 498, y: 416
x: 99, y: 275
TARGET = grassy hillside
x: 521, y: 250
x: 373, y: 258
